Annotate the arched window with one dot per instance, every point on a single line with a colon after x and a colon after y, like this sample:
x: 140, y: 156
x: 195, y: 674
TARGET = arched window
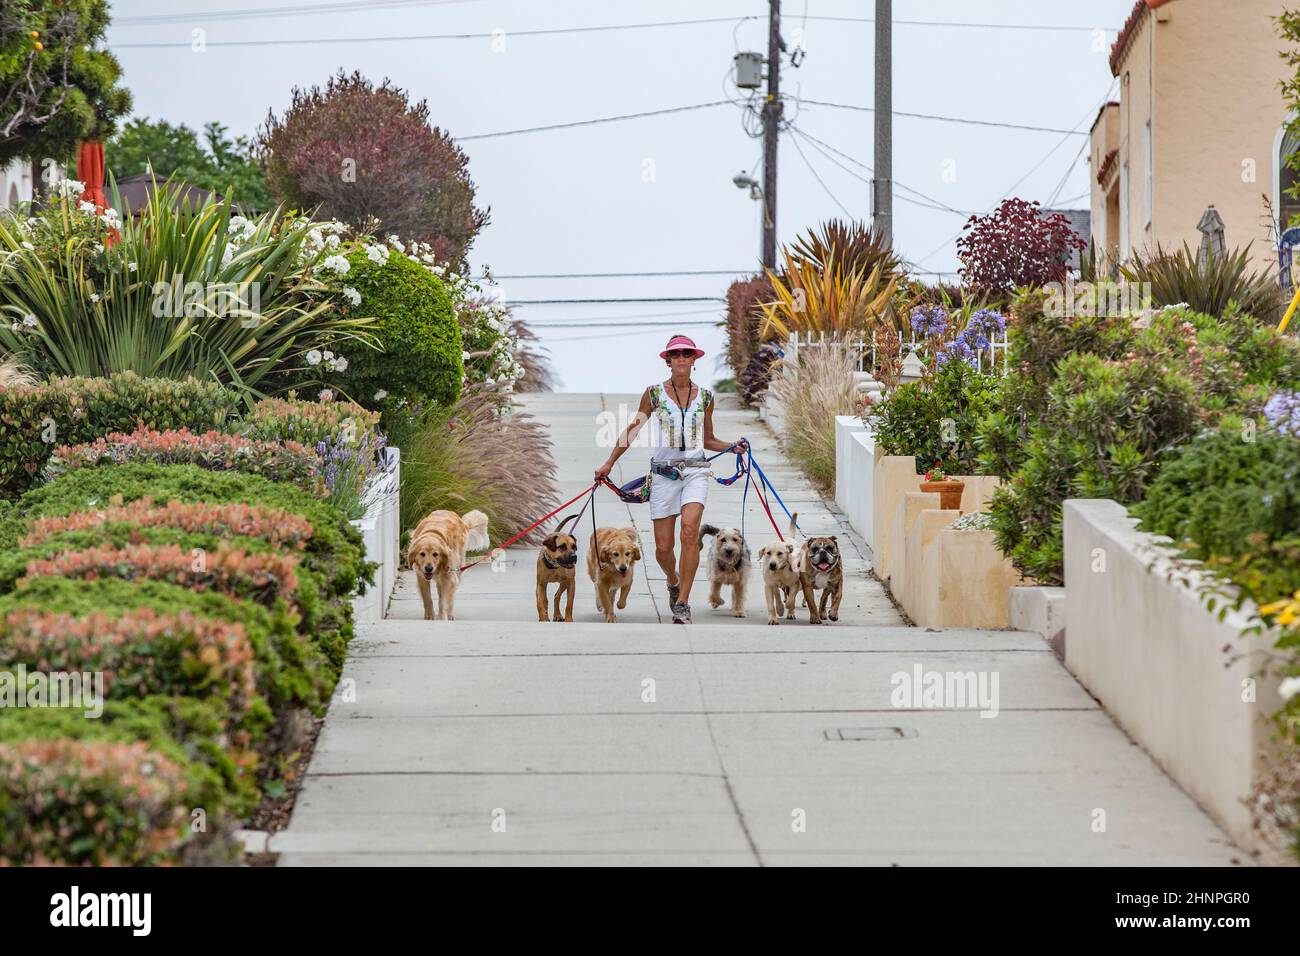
x: 1285, y: 178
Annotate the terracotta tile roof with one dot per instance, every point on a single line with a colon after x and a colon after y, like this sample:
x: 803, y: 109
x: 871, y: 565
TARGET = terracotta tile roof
x: 1120, y: 47
x: 1102, y: 112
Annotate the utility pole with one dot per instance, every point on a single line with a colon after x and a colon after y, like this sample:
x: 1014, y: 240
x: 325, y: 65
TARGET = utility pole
x: 882, y: 186
x: 771, y: 124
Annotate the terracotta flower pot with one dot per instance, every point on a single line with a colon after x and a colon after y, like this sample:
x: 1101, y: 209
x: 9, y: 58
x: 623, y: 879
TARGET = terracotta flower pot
x: 949, y: 492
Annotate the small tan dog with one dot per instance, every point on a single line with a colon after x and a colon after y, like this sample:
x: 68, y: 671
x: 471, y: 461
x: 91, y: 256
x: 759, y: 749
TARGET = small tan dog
x: 557, y: 561
x: 437, y: 551
x: 729, y: 561
x: 780, y: 579
x: 612, y: 565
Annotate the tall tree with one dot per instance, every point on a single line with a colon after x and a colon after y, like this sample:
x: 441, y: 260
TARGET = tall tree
x: 56, y: 87
x: 226, y: 166
x: 361, y: 152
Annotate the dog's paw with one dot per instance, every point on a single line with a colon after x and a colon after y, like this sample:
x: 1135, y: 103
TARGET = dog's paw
x: 715, y: 602
x: 835, y: 617
x: 738, y: 613
x: 771, y: 620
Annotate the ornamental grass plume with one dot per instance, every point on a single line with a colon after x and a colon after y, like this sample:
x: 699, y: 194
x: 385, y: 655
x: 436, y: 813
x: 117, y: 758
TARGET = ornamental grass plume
x: 820, y: 388
x: 479, y: 453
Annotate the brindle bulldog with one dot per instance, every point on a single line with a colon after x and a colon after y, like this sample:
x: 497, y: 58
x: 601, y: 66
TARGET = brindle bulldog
x: 818, y: 562
x: 557, y: 561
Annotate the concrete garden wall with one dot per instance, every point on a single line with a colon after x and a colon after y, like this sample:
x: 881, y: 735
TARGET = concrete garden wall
x: 382, y: 532
x: 1166, y: 668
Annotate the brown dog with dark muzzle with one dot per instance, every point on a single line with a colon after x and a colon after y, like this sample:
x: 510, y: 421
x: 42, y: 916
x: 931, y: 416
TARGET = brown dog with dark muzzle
x: 557, y: 562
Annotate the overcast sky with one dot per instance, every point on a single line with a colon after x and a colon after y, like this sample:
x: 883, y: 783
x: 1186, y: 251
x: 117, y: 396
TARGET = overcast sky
x: 655, y: 193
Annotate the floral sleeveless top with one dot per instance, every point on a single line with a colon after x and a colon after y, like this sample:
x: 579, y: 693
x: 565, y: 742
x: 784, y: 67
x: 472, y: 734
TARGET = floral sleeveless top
x: 678, y: 434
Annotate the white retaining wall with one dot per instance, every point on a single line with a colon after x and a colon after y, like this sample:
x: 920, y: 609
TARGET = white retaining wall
x: 1164, y: 667
x: 382, y: 532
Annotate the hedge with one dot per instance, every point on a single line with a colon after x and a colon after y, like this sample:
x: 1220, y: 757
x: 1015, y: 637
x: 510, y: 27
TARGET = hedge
x: 290, y: 670
x: 35, y: 419
x: 91, y: 802
x: 419, y: 334
x: 140, y: 653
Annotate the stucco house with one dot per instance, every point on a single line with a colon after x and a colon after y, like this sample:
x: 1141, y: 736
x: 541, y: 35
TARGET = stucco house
x: 1198, y: 121
x: 15, y: 184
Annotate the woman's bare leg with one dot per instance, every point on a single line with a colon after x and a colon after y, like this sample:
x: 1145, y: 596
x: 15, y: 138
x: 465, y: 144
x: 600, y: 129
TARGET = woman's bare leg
x: 664, y: 552
x: 692, y: 515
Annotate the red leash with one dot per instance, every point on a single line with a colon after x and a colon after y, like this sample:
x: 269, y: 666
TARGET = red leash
x: 504, y: 544
x: 763, y: 501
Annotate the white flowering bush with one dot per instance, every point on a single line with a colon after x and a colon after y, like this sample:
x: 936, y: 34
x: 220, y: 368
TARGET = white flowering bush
x: 335, y: 255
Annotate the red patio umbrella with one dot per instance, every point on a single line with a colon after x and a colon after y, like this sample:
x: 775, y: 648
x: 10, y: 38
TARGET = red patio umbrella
x: 90, y: 170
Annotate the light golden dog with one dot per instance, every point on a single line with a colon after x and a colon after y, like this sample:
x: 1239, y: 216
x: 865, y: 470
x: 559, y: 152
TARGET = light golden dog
x: 611, y: 566
x: 729, y: 561
x: 780, y: 579
x: 557, y: 561
x: 437, y: 551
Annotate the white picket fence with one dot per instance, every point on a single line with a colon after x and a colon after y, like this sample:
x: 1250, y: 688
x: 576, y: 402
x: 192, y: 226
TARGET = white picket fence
x: 864, y: 352
x: 381, y: 530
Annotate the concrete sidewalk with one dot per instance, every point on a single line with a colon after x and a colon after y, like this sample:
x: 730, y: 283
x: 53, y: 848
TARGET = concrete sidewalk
x: 497, y: 740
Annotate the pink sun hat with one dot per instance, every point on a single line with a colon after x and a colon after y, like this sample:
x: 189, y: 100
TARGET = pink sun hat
x: 680, y: 342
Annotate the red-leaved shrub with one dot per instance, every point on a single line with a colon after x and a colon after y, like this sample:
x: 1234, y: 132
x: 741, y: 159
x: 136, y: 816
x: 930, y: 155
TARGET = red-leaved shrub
x: 280, y: 528
x: 1015, y: 245
x: 90, y: 803
x: 213, y: 450
x: 262, y: 577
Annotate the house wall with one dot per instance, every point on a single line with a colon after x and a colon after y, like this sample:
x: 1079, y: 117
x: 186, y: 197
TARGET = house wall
x: 1217, y: 128
x: 15, y: 184
x: 1103, y: 138
x: 1207, y: 74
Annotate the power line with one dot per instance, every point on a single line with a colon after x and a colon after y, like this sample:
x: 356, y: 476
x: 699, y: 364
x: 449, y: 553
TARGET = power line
x: 592, y: 122
x: 621, y: 334
x: 949, y: 119
x: 932, y: 202
x: 615, y: 319
x: 623, y: 275
x: 820, y: 181
x: 353, y: 6
x: 628, y: 325
x: 685, y: 298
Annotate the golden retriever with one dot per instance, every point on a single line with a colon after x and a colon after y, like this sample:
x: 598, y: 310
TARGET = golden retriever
x: 612, y: 565
x: 437, y: 551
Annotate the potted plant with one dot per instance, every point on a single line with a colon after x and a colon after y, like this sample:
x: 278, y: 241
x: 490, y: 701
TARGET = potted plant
x: 936, y: 479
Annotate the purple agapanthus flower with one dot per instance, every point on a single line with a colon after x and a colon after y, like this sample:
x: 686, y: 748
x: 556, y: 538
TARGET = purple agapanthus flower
x: 1282, y: 412
x: 930, y: 320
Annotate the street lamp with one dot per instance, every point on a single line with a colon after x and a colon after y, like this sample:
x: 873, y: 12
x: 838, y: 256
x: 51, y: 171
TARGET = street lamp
x: 742, y: 180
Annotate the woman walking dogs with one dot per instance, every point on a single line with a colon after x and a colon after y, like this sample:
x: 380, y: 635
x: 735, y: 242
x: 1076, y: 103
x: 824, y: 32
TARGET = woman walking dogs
x: 679, y: 473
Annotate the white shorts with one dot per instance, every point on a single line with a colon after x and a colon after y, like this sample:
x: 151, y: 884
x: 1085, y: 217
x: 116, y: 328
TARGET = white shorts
x: 668, y: 496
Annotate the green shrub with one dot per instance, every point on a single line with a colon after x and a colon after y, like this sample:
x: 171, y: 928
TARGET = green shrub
x: 36, y: 419
x: 1232, y: 500
x: 277, y: 419
x: 242, y: 567
x: 214, y: 450
x: 186, y: 730
x: 938, y: 420
x: 419, y: 335
x: 141, y: 653
x: 1091, y: 407
x: 290, y: 670
x: 95, y: 802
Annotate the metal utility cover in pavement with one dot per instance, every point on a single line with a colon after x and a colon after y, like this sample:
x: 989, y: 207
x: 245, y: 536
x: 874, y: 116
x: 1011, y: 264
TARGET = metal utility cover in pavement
x: 869, y: 733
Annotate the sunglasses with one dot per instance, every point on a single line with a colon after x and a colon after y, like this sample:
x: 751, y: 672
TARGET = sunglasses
x: 681, y: 353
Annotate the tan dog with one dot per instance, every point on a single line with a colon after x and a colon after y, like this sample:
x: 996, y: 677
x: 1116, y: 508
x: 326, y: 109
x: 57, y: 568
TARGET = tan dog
x: 780, y: 579
x: 557, y: 561
x: 437, y: 551
x: 729, y: 561
x: 611, y: 566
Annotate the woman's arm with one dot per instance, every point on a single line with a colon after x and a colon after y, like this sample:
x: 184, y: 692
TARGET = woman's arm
x: 713, y: 442
x: 624, y: 440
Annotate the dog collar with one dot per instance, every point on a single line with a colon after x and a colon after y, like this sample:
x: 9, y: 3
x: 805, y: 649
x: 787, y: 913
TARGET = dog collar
x: 547, y: 561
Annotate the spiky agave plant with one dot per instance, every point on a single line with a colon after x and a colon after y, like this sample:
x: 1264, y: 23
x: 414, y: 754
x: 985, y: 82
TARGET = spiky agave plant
x: 181, y: 292
x: 832, y: 299
x: 852, y: 244
x: 1207, y: 286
